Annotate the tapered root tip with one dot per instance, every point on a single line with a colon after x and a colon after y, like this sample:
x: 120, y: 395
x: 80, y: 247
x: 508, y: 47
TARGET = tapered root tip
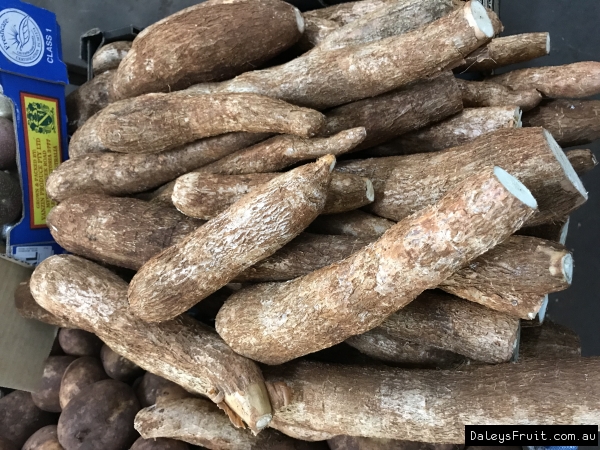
x: 567, y: 268
x: 515, y: 187
x: 479, y: 19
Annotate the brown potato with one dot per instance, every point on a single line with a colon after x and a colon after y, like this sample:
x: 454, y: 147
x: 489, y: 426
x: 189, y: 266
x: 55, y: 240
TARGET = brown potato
x: 5, y: 444
x: 46, y: 397
x: 152, y: 388
x: 8, y: 145
x: 43, y: 439
x: 159, y: 444
x: 10, y: 198
x: 20, y: 418
x: 79, y: 342
x: 100, y: 418
x: 80, y: 374
x: 117, y: 367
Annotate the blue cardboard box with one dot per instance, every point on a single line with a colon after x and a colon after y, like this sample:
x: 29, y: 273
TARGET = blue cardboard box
x: 33, y: 76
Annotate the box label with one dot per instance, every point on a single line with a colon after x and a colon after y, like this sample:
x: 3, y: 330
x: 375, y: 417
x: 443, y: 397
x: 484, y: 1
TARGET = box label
x: 33, y: 255
x: 43, y: 143
x: 21, y: 39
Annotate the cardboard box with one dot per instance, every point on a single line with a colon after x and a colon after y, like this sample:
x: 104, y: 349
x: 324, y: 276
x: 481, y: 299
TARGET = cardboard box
x: 33, y: 77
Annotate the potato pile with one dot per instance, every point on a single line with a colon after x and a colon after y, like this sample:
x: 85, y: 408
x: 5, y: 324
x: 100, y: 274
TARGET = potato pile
x: 10, y: 190
x: 349, y: 246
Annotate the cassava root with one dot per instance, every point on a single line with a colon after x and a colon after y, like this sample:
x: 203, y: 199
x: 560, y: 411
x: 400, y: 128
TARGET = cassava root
x: 329, y: 305
x: 478, y: 94
x: 457, y: 130
x: 128, y: 173
x: 420, y: 405
x: 321, y: 79
x: 171, y: 120
x: 571, y: 122
x: 191, y: 355
x: 251, y: 229
x: 204, y: 196
x: 503, y: 51
x: 575, y: 80
x: 280, y: 152
x: 405, y: 184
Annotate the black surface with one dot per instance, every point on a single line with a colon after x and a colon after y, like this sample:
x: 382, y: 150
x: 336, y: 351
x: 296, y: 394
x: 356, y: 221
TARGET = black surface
x: 573, y: 28
x: 574, y: 37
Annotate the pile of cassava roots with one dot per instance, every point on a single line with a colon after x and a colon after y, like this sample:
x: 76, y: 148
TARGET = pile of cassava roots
x: 311, y: 231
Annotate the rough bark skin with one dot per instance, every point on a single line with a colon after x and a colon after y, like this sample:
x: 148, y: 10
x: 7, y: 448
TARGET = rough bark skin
x: 205, y: 196
x: 503, y: 51
x: 122, y: 174
x: 305, y: 254
x: 198, y: 422
x: 124, y: 232
x: 28, y: 308
x: 583, y: 160
x: 355, y: 295
x: 420, y: 405
x: 353, y: 223
x: 515, y: 276
x: 478, y: 94
x: 405, y: 184
x: 251, y: 229
x: 392, y: 114
x: 20, y: 418
x: 391, y: 19
x: 456, y: 325
x: 85, y: 140
x: 280, y: 152
x: 362, y: 443
x: 571, y: 122
x: 207, y: 42
x: 109, y: 56
x: 323, y: 79
x: 316, y: 29
x: 575, y: 80
x: 550, y: 341
x: 345, y: 13
x: 555, y: 231
x: 182, y: 350
x: 379, y: 344
x: 157, y: 122
x: 88, y: 99
x: 457, y: 130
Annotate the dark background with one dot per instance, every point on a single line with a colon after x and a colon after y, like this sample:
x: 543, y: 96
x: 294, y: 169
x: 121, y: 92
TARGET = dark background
x: 573, y: 29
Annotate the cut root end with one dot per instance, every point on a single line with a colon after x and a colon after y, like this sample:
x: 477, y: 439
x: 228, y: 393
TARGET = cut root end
x: 478, y: 18
x: 566, y: 165
x: 515, y: 187
x: 567, y: 268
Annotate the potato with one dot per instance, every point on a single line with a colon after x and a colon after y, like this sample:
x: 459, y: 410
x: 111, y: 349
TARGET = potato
x: 159, y: 444
x: 100, y: 418
x: 20, y: 418
x: 5, y: 444
x: 6, y: 107
x: 80, y: 374
x: 79, y: 342
x: 152, y: 387
x: 43, y: 439
x: 8, y: 145
x: 47, y: 396
x: 117, y: 367
x: 10, y: 198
